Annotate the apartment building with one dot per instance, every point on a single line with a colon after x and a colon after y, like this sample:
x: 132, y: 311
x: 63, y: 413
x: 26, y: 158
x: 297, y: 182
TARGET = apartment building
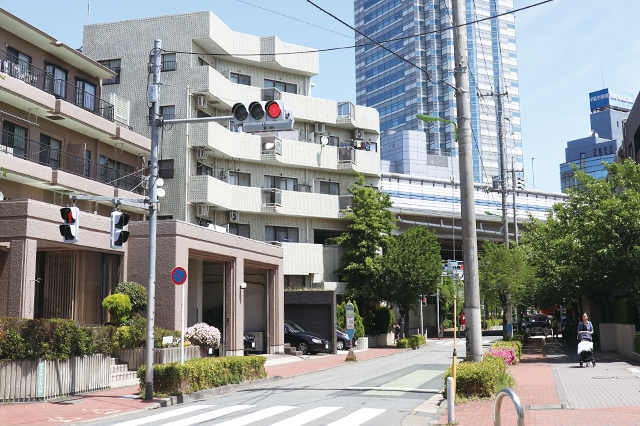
x: 288, y: 188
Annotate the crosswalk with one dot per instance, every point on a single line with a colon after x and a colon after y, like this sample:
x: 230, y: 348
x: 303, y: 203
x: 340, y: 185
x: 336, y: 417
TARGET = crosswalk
x: 450, y: 342
x: 252, y: 415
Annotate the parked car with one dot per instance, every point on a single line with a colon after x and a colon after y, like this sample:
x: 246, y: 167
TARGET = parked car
x: 304, y: 341
x: 342, y: 339
x: 536, y: 325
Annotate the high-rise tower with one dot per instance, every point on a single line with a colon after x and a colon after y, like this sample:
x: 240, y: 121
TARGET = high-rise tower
x: 420, y: 31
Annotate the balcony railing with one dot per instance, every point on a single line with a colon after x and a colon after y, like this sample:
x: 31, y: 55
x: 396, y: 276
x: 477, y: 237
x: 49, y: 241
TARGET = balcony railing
x: 271, y: 197
x: 346, y: 155
x: 37, y: 152
x: 271, y: 145
x: 61, y: 89
x: 346, y: 112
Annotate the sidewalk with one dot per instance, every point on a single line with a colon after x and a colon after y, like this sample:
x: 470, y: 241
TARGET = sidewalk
x: 113, y: 402
x: 556, y: 391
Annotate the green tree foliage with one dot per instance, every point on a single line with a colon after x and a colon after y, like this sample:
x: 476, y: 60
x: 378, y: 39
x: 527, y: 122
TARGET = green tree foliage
x: 504, y: 274
x: 119, y: 306
x: 590, y: 244
x: 368, y: 237
x: 341, y: 318
x: 137, y: 295
x: 383, y: 320
x: 411, y: 267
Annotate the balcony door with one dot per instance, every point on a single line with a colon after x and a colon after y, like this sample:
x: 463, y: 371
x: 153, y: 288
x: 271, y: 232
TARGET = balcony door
x: 56, y: 80
x: 14, y: 138
x: 86, y: 95
x: 50, y: 151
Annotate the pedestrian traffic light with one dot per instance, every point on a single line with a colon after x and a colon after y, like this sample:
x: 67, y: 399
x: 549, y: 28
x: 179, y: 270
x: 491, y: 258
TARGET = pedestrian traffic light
x: 69, y: 231
x: 260, y: 116
x: 519, y: 183
x: 118, y: 235
x: 424, y: 301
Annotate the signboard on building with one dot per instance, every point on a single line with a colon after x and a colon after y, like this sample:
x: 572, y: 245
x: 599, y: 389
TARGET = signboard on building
x: 605, y: 97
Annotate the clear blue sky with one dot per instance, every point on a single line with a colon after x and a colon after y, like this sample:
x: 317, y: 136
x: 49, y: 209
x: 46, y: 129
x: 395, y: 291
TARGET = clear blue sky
x: 564, y: 47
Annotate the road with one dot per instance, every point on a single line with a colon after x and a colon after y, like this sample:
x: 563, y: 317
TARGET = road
x: 350, y: 395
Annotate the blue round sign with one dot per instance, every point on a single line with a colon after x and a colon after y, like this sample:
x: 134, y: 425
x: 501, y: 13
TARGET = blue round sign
x: 179, y: 275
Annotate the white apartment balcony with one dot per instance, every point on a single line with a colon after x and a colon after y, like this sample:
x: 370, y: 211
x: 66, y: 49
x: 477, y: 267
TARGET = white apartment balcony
x: 302, y: 259
x: 270, y: 150
x: 215, y: 192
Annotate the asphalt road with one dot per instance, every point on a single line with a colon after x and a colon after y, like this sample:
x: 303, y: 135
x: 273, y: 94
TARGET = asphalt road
x: 380, y: 391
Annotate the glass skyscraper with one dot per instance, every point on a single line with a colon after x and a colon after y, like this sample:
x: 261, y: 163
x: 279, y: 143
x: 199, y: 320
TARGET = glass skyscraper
x: 419, y: 30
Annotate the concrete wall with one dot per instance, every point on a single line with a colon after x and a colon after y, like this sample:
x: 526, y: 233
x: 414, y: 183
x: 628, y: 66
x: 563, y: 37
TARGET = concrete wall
x: 619, y: 338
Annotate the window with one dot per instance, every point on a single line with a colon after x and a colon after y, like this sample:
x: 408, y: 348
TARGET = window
x: 240, y: 179
x: 114, y: 173
x: 22, y: 63
x: 279, y: 182
x: 168, y: 112
x: 281, y: 234
x: 165, y: 169
x: 281, y: 86
x: 240, y: 79
x: 56, y: 80
x: 113, y: 65
x: 85, y: 95
x: 165, y: 217
x: 334, y: 141
x: 168, y: 62
x: 50, y: 151
x: 239, y: 229
x: 14, y: 137
x: 331, y: 188
x: 203, y: 170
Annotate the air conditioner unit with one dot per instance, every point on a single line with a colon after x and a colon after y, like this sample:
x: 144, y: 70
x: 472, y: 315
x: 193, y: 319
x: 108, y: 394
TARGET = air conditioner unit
x: 201, y: 153
x: 203, y: 210
x: 311, y: 137
x: 358, y: 134
x: 234, y: 216
x: 320, y: 128
x: 202, y: 102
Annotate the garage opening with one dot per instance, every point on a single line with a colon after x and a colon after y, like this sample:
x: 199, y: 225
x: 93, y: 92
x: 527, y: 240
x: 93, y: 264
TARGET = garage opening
x: 256, y: 309
x: 206, y: 295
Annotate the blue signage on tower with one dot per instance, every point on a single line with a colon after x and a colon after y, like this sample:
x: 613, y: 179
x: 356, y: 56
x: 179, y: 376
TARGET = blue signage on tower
x: 605, y: 97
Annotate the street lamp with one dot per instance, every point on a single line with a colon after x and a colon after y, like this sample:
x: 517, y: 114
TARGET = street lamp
x: 430, y: 119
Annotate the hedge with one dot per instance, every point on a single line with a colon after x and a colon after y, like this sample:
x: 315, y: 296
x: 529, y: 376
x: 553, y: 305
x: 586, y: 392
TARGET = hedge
x: 61, y: 339
x: 477, y: 378
x: 411, y: 342
x: 203, y: 373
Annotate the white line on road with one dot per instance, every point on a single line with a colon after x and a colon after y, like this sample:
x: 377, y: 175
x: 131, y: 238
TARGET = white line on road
x: 208, y: 416
x: 258, y: 415
x: 163, y: 416
x: 358, y: 417
x: 307, y: 416
x: 386, y: 388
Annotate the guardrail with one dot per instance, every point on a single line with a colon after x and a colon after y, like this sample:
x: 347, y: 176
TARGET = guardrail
x: 516, y: 401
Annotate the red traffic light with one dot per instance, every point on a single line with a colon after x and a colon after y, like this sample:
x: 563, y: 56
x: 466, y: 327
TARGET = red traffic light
x: 273, y: 109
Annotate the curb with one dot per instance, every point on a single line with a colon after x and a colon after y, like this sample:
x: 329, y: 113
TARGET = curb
x: 187, y: 398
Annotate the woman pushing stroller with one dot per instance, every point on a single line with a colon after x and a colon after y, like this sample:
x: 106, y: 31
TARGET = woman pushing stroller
x: 585, y: 341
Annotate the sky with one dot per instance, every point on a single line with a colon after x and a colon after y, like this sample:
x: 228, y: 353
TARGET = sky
x: 566, y: 49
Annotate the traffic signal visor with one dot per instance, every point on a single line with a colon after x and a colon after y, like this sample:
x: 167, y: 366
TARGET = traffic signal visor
x: 69, y: 231
x: 118, y: 235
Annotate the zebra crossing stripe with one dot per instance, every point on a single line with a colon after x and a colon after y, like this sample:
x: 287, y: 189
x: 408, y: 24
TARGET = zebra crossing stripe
x: 254, y: 417
x: 163, y: 416
x: 208, y: 416
x: 307, y: 416
x: 358, y: 417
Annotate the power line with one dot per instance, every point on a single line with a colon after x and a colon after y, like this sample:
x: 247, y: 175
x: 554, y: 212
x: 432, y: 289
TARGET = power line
x: 374, y: 42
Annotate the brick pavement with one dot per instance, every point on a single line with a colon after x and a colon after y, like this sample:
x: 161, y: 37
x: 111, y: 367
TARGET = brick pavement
x: 594, y: 393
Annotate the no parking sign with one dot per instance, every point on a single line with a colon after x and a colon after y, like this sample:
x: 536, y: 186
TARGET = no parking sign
x: 179, y: 275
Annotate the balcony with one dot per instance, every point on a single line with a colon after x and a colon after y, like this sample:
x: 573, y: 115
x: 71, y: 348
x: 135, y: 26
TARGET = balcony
x: 346, y: 158
x: 209, y: 190
x: 271, y: 148
x: 40, y: 153
x: 61, y: 89
x: 271, y: 200
x: 345, y: 205
x: 302, y: 259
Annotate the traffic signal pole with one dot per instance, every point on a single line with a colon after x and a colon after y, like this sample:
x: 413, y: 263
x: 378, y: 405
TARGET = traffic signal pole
x: 154, y: 95
x: 467, y: 199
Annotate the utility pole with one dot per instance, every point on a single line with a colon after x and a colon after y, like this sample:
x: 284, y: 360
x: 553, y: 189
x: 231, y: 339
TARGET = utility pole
x: 515, y: 208
x: 154, y: 95
x: 467, y: 198
x: 503, y: 169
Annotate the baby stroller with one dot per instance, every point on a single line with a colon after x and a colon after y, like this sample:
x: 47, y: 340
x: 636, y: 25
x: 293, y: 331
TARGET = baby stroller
x: 585, y: 349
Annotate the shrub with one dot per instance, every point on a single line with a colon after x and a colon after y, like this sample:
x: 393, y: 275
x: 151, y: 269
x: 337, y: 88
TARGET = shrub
x: 137, y: 295
x: 383, y: 320
x: 341, y: 319
x: 447, y: 324
x: 403, y: 344
x: 203, y: 373
x: 119, y: 306
x: 479, y: 379
x: 203, y: 334
x: 411, y: 342
x: 513, y: 344
x: 508, y: 354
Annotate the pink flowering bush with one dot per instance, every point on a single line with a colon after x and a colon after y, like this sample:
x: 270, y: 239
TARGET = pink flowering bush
x: 203, y: 334
x: 503, y: 352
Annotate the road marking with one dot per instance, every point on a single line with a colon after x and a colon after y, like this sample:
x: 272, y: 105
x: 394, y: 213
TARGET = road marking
x: 258, y: 415
x: 409, y: 381
x: 358, y: 417
x: 307, y: 416
x: 163, y: 416
x: 208, y: 416
x: 391, y: 388
x: 634, y: 371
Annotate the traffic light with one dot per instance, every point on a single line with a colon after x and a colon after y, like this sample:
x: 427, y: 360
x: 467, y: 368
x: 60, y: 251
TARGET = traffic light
x: 262, y: 116
x: 118, y: 235
x: 424, y: 301
x: 519, y: 183
x: 69, y: 231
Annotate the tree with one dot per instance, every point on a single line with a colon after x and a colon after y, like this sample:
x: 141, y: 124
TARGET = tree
x: 137, y: 295
x: 411, y: 268
x: 503, y: 273
x: 341, y: 318
x: 368, y: 237
x: 590, y: 245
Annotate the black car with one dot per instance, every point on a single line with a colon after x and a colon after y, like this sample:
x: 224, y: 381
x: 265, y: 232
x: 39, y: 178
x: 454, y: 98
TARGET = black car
x: 536, y: 325
x: 342, y: 339
x: 303, y: 341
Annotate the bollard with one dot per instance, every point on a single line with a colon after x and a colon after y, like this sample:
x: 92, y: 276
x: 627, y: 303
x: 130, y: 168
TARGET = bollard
x: 451, y: 400
x: 544, y: 347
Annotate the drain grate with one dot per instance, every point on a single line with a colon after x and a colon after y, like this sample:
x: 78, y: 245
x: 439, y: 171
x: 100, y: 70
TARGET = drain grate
x: 68, y: 401
x: 546, y: 407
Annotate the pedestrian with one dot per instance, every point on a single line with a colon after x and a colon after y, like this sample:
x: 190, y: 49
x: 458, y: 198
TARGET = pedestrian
x: 585, y: 325
x: 396, y: 331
